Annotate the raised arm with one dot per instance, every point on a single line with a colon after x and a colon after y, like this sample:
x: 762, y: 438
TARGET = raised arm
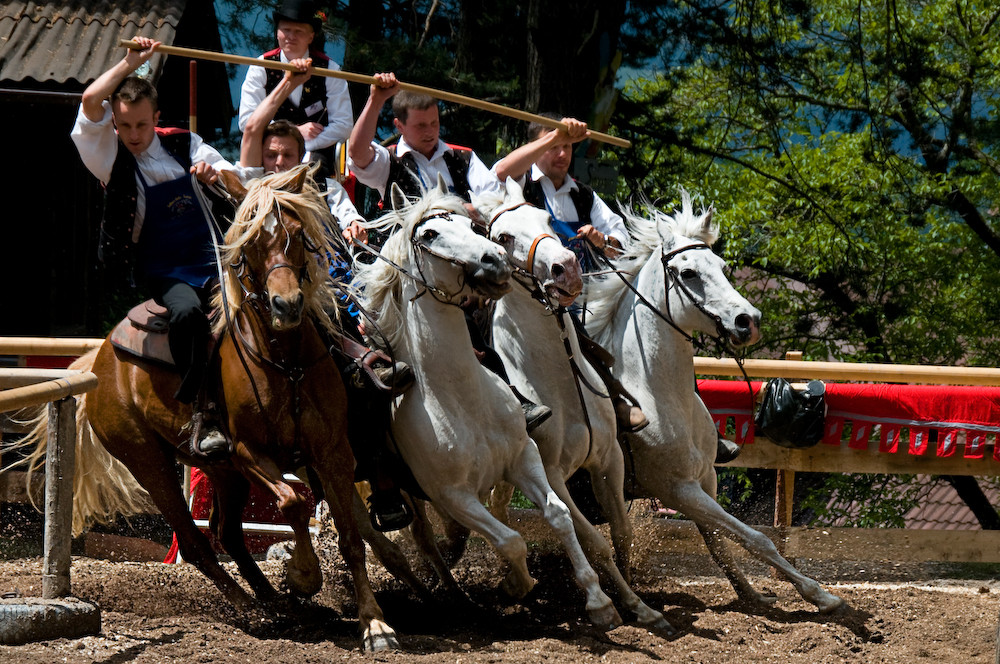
x: 106, y: 83
x: 359, y: 148
x: 518, y: 162
x: 251, y: 148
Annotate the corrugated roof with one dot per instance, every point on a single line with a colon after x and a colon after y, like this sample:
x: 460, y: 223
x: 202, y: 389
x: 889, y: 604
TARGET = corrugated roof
x: 77, y: 41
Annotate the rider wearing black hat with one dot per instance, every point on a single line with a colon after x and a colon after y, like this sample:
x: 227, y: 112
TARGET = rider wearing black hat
x: 321, y: 106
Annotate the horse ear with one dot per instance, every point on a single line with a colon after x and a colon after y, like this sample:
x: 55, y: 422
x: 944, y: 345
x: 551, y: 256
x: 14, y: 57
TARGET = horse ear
x: 298, y: 182
x: 398, y: 198
x: 515, y: 193
x: 232, y: 183
x: 442, y: 186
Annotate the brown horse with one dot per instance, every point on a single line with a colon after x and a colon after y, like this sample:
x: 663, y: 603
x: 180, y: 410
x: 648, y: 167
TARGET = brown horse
x: 280, y: 393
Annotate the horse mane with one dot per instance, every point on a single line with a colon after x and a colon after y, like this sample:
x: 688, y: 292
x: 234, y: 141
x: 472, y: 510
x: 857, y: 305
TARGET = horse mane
x: 604, y: 295
x: 310, y: 208
x: 380, y: 284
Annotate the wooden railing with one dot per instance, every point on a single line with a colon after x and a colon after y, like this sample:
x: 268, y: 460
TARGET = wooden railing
x: 24, y: 387
x: 822, y: 543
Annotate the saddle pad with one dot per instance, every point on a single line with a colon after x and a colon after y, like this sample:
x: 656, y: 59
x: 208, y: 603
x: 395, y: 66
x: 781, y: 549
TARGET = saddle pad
x: 142, y: 343
x: 149, y: 316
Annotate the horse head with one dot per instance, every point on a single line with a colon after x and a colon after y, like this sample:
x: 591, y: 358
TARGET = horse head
x: 453, y: 260
x: 525, y: 232
x: 699, y: 295
x: 277, y: 247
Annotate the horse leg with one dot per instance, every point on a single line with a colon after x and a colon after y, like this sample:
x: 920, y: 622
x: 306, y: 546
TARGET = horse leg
x: 607, y: 483
x: 157, y: 474
x: 456, y: 538
x: 387, y: 551
x: 600, y: 554
x: 691, y: 499
x: 500, y: 498
x: 232, y: 491
x: 528, y: 475
x: 303, y: 573
x: 337, y: 476
x: 423, y: 536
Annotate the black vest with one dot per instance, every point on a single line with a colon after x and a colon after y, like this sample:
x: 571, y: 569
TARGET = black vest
x: 583, y: 198
x: 313, y: 91
x: 403, y: 172
x: 115, y: 247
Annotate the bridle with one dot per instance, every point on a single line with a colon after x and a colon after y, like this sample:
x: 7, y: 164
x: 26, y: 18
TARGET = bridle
x: 528, y: 272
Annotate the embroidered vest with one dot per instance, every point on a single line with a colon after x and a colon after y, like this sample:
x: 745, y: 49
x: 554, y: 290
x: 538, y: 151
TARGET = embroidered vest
x: 115, y: 247
x: 583, y: 198
x: 313, y: 92
x: 403, y: 171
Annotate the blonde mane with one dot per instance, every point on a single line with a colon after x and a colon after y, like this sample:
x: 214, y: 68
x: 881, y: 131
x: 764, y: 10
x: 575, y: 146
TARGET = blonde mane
x: 309, y: 207
x: 380, y: 284
x: 604, y: 295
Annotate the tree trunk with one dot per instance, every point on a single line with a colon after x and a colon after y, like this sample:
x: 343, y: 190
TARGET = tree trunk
x: 968, y: 490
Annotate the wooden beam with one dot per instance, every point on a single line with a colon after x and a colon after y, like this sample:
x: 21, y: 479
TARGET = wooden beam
x: 822, y: 458
x: 845, y: 371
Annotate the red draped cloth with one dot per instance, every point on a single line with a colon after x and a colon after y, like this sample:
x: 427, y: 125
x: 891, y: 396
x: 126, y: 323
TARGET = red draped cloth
x: 857, y: 411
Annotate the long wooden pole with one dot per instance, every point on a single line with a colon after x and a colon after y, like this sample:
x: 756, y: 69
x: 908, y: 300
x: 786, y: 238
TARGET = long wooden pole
x: 370, y: 80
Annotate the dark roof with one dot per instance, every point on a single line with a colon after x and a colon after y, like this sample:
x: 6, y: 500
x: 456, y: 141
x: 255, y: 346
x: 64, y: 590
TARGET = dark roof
x: 74, y: 41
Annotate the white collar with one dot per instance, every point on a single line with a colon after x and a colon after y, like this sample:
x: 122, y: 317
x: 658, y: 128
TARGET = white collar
x: 569, y: 184
x: 402, y: 147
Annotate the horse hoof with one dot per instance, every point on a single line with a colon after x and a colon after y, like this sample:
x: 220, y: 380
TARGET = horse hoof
x: 605, y: 617
x: 379, y: 636
x: 658, y: 624
x: 830, y: 603
x: 304, y: 584
x: 515, y: 587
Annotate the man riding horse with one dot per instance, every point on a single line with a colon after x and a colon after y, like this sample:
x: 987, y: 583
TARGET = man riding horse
x: 414, y: 164
x: 154, y: 225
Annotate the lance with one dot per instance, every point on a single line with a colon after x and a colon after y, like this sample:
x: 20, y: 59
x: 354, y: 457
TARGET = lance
x: 370, y: 80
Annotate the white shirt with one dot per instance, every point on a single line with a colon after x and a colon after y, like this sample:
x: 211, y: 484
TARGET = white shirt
x: 339, y: 115
x: 97, y: 143
x: 376, y: 174
x: 560, y: 205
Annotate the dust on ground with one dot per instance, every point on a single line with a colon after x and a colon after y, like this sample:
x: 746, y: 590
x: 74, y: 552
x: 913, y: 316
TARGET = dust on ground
x: 157, y: 613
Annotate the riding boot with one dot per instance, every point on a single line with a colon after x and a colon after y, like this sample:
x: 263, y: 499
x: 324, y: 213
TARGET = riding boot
x: 630, y: 417
x: 382, y: 372
x: 534, y: 414
x: 368, y: 411
x: 726, y: 451
x: 207, y: 442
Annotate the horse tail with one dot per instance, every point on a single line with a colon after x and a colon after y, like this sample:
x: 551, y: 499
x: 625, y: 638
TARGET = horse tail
x: 103, y: 487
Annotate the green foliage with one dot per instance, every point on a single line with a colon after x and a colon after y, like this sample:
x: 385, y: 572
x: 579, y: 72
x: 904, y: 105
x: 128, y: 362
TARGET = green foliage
x: 865, y: 501
x: 849, y: 150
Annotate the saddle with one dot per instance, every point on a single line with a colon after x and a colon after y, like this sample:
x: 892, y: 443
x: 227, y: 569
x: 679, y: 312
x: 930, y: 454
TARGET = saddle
x: 143, y: 334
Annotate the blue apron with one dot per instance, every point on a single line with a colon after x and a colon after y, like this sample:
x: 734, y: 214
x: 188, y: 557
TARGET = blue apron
x: 566, y: 232
x: 175, y: 241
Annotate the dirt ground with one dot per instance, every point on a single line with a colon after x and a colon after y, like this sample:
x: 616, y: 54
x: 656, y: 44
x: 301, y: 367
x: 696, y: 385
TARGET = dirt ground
x: 155, y: 613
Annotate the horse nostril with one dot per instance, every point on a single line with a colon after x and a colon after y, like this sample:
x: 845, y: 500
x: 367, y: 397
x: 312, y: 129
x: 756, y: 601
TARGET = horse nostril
x: 744, y: 322
x: 283, y: 307
x: 491, y: 258
x: 558, y: 270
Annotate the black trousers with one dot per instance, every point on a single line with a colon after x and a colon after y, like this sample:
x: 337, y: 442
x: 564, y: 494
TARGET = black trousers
x: 189, y: 330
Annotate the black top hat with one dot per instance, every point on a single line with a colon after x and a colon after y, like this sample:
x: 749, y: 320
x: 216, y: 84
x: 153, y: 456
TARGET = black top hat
x: 300, y: 11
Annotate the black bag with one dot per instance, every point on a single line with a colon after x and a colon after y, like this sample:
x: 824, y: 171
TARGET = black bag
x: 789, y: 417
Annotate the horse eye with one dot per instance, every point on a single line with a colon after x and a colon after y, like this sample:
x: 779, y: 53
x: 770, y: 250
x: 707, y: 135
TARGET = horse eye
x: 505, y: 239
x: 687, y: 274
x: 429, y: 234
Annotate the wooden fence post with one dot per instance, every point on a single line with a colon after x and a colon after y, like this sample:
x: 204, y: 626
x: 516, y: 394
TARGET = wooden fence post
x: 59, y: 463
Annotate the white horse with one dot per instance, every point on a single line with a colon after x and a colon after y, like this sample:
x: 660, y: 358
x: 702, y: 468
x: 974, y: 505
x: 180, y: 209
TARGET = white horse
x: 679, y: 288
x: 459, y: 427
x: 531, y: 328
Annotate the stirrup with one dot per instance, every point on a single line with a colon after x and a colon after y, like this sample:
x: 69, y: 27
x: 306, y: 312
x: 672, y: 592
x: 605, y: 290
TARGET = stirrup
x: 630, y: 418
x: 726, y: 451
x: 388, y: 511
x: 535, y: 414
